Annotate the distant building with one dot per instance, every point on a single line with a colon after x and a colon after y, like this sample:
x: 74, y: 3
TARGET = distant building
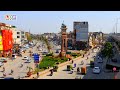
x: 95, y: 38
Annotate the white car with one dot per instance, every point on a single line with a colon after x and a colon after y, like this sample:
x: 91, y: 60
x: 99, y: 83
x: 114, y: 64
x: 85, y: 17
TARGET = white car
x: 96, y: 70
x: 25, y: 58
x: 28, y: 61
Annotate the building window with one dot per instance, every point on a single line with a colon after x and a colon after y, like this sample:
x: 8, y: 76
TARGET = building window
x: 18, y: 36
x: 22, y: 32
x: 18, y: 32
x: 22, y: 36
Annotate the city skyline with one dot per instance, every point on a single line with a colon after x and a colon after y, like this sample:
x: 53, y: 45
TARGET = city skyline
x: 50, y: 21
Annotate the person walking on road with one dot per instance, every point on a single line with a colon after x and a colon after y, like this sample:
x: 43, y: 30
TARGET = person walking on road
x: 78, y: 69
x: 87, y: 57
x: 37, y: 74
x: 11, y: 71
x: 74, y: 65
x: 4, y: 74
x: 72, y: 61
x: 3, y: 69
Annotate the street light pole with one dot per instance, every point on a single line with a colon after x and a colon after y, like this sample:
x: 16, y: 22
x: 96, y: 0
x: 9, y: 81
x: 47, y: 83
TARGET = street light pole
x: 116, y: 24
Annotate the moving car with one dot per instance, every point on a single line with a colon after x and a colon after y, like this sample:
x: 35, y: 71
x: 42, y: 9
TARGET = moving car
x: 96, y: 70
x: 28, y: 61
x: 25, y: 58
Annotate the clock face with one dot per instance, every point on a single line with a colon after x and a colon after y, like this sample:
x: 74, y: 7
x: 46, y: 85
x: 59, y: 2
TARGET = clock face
x: 77, y: 27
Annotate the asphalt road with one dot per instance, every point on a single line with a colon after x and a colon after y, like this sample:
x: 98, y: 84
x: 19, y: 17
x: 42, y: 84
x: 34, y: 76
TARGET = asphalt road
x: 63, y: 74
x: 15, y: 66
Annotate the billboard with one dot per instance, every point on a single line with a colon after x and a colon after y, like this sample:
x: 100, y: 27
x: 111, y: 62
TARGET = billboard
x: 81, y: 29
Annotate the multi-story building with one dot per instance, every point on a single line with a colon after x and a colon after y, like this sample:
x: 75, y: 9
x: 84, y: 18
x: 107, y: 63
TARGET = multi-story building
x: 80, y: 38
x: 6, y: 40
x: 95, y: 38
x: 23, y: 37
x: 16, y: 35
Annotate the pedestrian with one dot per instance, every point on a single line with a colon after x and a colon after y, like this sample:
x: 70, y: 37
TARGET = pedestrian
x: 37, y: 74
x: 21, y: 64
x: 72, y: 61
x: 3, y: 69
x: 87, y: 57
x: 74, y: 65
x: 4, y: 74
x: 83, y: 55
x: 78, y: 69
x: 18, y: 77
x: 11, y: 71
x: 51, y: 72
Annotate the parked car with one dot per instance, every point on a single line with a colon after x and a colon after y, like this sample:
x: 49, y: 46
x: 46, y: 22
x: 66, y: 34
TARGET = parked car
x: 96, y: 70
x: 1, y: 64
x: 25, y: 58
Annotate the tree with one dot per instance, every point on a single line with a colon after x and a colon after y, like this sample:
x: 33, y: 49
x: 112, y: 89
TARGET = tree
x: 29, y: 38
x: 107, y: 51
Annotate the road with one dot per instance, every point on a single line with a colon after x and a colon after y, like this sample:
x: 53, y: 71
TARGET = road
x: 15, y: 66
x: 63, y: 74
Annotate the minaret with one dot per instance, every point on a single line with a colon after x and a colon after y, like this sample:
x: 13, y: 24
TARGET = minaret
x: 64, y: 40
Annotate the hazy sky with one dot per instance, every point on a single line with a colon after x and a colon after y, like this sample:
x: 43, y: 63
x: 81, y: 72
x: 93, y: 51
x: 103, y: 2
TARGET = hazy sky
x: 50, y: 21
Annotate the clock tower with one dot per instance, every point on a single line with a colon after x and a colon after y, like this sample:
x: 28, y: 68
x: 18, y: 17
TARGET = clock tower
x: 64, y: 40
